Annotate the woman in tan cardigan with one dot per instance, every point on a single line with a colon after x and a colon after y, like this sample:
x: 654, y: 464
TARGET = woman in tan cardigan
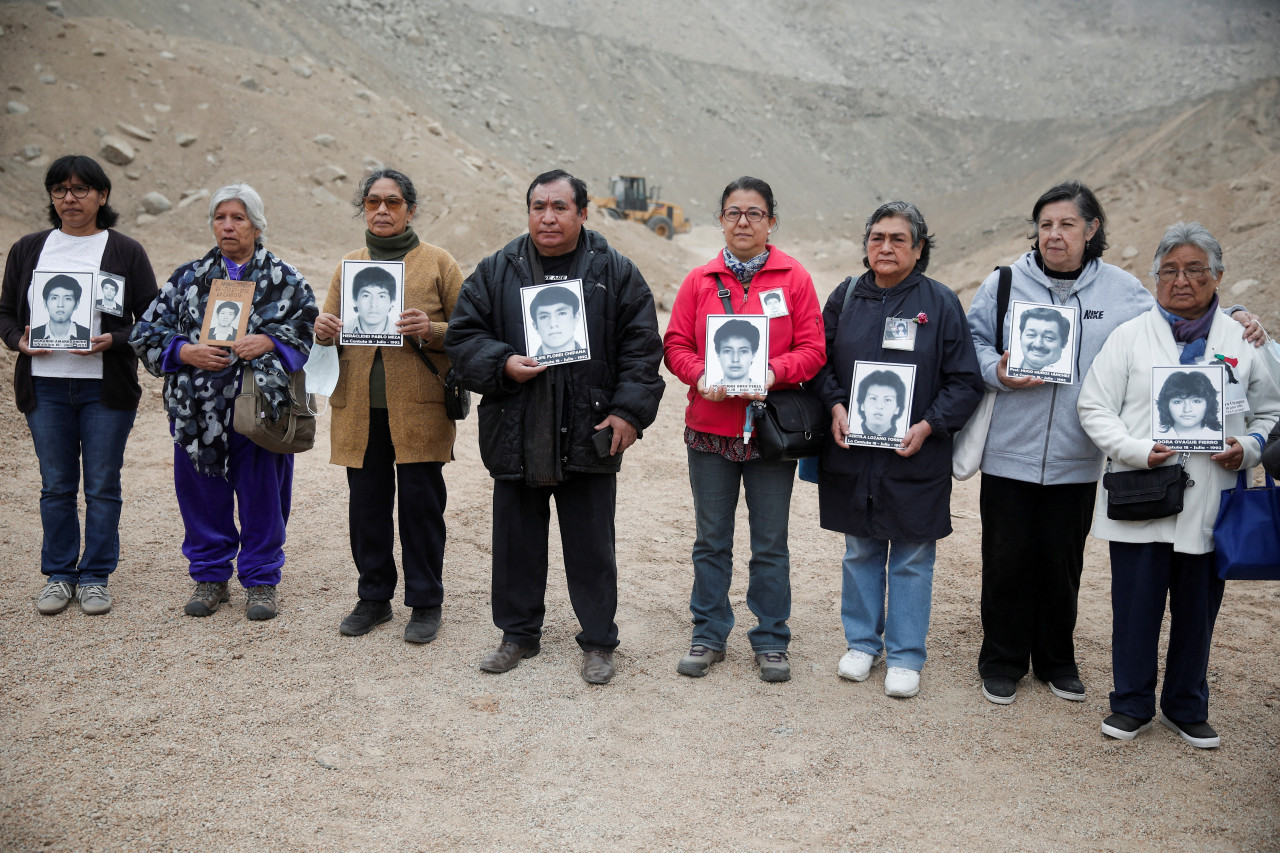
x: 389, y: 424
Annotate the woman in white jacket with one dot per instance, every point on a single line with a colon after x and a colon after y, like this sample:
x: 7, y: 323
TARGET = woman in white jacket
x: 1171, y: 556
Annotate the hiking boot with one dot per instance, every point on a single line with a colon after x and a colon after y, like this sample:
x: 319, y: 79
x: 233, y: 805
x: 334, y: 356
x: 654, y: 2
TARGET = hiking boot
x: 698, y: 662
x: 55, y: 597
x: 94, y: 599
x: 774, y: 666
x: 423, y: 625
x: 205, y: 600
x: 365, y: 617
x: 261, y: 603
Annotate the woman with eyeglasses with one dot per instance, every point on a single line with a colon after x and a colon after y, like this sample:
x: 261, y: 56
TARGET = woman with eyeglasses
x: 389, y: 424
x: 1039, y: 468
x: 79, y: 403
x: 1171, y: 558
x: 749, y: 276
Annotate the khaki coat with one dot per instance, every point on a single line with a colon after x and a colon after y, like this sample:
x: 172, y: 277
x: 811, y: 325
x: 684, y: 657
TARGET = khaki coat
x: 420, y: 431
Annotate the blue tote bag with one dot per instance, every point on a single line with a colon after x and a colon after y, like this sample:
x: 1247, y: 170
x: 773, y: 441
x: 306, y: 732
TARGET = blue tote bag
x: 1246, y: 536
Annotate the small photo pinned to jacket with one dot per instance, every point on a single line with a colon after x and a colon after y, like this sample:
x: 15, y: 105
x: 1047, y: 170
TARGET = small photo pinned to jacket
x: 1043, y: 344
x: 737, y: 353
x: 880, y: 403
x: 774, y: 303
x: 226, y: 314
x: 61, y: 315
x: 372, y: 302
x: 108, y: 291
x: 555, y: 328
x: 1186, y: 412
x: 899, y: 333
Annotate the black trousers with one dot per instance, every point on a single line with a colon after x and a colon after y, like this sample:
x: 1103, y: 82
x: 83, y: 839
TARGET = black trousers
x: 1141, y: 575
x: 1033, y: 540
x: 521, y: 518
x: 422, y: 532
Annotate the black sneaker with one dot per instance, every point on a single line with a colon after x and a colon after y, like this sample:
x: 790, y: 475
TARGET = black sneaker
x: 1123, y: 727
x: 1199, y: 735
x: 423, y: 625
x: 1000, y: 689
x: 1068, y: 687
x: 366, y: 615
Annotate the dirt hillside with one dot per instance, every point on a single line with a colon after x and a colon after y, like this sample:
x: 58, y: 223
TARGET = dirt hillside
x: 146, y: 730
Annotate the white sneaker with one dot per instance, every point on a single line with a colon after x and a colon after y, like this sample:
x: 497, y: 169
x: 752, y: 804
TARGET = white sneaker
x: 856, y: 665
x: 902, y: 683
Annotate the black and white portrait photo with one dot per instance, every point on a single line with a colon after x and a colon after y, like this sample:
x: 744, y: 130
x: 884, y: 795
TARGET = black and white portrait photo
x: 555, y: 331
x: 880, y: 403
x: 226, y: 316
x: 110, y: 294
x: 1042, y: 344
x: 60, y: 310
x: 372, y: 301
x: 1187, y: 409
x: 737, y: 352
x: 899, y: 333
x: 774, y: 303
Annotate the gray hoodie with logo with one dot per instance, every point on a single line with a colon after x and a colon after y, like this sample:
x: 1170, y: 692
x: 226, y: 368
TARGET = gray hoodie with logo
x: 1035, y: 434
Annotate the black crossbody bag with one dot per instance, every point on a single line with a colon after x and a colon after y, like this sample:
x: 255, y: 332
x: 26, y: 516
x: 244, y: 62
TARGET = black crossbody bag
x: 1146, y: 494
x: 457, y: 400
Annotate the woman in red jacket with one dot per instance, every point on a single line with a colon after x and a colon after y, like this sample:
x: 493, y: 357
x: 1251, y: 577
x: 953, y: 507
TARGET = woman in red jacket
x: 749, y: 277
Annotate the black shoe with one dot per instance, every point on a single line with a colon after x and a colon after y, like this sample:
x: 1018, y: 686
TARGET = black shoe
x: 423, y: 625
x: 1068, y: 687
x: 1000, y: 689
x: 1199, y: 735
x: 366, y: 615
x: 1123, y: 727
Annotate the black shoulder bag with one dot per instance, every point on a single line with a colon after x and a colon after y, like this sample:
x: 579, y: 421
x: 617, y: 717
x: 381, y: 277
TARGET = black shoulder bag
x: 457, y: 400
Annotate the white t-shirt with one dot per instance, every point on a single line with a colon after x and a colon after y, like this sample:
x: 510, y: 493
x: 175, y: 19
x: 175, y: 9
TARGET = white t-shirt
x: 64, y: 253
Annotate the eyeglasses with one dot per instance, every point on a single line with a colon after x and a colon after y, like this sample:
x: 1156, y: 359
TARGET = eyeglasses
x: 1169, y: 275
x: 373, y: 202
x: 755, y: 214
x: 79, y: 191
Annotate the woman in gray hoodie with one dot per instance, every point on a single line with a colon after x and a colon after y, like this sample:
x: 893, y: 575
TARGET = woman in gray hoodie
x: 1039, y: 469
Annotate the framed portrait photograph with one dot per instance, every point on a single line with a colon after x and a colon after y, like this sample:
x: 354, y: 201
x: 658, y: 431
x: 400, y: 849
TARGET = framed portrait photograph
x: 1187, y: 407
x: 774, y: 303
x: 737, y: 353
x: 1042, y: 344
x: 880, y: 403
x: 108, y: 294
x: 61, y: 310
x: 372, y: 302
x: 226, y: 314
x: 555, y: 330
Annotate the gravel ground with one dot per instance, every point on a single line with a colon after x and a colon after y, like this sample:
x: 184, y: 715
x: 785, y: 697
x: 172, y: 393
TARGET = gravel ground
x: 148, y: 730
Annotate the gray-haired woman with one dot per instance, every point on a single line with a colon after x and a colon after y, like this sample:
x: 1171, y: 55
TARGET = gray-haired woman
x: 892, y: 503
x: 1171, y: 558
x: 214, y: 467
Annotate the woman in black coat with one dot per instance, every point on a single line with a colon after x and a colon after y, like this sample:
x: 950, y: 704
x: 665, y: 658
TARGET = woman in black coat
x: 905, y: 339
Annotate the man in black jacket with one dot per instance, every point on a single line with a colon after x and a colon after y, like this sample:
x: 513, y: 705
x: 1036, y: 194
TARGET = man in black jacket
x: 556, y: 430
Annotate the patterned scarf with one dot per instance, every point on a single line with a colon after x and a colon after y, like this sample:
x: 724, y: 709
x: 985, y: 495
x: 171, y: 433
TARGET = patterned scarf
x: 1192, y: 334
x: 744, y: 271
x: 201, y: 404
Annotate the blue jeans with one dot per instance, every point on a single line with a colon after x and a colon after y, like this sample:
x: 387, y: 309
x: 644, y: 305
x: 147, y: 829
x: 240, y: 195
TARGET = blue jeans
x: 910, y: 592
x: 71, y: 428
x: 715, y: 482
